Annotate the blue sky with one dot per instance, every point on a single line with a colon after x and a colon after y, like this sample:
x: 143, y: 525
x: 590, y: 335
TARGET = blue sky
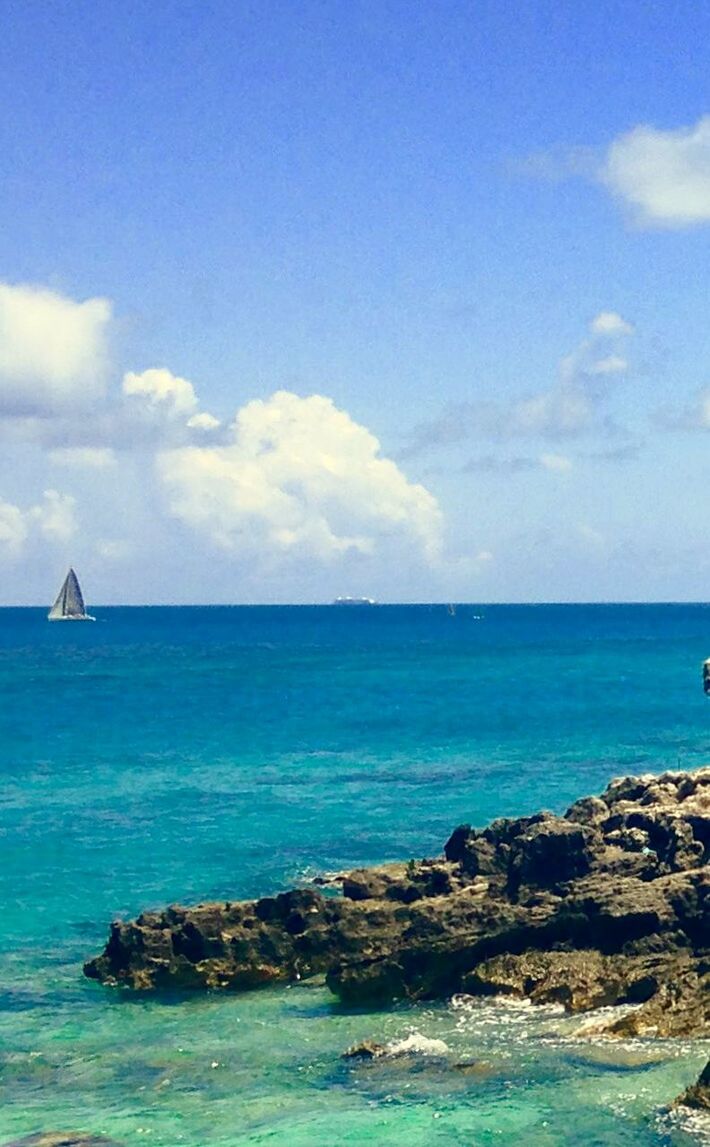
x: 398, y: 299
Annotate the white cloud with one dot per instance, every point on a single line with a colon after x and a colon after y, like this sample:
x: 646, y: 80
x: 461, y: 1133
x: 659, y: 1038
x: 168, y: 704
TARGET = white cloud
x: 162, y: 409
x: 53, y: 518
x: 13, y: 530
x: 52, y: 350
x: 556, y: 413
x: 203, y: 421
x: 610, y: 323
x: 83, y: 457
x: 559, y: 462
x: 571, y: 406
x: 298, y: 475
x: 162, y: 390
x: 612, y: 364
x: 663, y: 175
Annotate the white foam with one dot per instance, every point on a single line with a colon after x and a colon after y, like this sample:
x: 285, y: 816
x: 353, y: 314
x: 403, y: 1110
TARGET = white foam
x: 417, y: 1044
x: 695, y: 1124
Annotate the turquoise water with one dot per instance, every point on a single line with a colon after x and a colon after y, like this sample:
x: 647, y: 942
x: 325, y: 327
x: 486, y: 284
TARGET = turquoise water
x: 183, y: 754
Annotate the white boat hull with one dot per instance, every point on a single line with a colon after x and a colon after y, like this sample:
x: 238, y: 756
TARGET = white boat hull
x: 87, y: 617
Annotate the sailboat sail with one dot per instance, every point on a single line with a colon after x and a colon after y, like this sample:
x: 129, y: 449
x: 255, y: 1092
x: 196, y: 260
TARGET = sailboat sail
x: 69, y: 605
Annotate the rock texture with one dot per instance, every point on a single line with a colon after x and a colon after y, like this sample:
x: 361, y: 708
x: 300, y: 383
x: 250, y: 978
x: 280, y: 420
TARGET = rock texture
x: 697, y: 1096
x: 608, y: 904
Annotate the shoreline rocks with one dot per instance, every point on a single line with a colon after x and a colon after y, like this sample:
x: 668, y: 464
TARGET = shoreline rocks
x: 697, y: 1096
x: 608, y: 904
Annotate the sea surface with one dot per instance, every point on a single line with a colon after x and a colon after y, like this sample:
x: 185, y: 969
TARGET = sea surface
x: 167, y: 754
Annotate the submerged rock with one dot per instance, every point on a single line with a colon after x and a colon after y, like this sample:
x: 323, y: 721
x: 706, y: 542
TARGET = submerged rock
x: 608, y: 904
x: 63, y: 1139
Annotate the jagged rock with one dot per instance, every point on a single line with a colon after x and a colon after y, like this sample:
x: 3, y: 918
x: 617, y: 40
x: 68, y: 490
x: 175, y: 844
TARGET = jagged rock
x: 580, y: 980
x: 607, y: 904
x: 551, y: 852
x: 698, y: 1095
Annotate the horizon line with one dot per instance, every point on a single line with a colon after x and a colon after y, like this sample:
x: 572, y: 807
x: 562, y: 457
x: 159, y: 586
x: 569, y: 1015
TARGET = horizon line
x: 375, y: 604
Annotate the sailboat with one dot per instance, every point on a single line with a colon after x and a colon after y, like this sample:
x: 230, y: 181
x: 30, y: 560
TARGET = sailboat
x: 69, y: 605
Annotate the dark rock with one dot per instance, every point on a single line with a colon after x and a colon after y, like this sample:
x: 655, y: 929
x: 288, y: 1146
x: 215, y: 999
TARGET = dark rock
x: 367, y: 1049
x: 579, y: 980
x: 697, y: 1096
x: 608, y: 904
x: 551, y: 852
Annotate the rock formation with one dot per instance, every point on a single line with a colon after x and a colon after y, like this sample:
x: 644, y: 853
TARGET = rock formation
x: 697, y: 1096
x: 608, y: 904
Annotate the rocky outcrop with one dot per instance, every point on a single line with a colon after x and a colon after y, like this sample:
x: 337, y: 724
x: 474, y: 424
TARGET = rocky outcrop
x: 608, y: 904
x: 697, y: 1096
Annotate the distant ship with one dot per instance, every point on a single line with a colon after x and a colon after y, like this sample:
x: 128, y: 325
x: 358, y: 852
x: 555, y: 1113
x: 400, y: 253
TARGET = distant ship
x: 354, y: 601
x: 69, y: 605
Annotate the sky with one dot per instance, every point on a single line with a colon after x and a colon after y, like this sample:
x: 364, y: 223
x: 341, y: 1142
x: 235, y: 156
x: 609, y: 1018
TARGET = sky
x: 394, y: 299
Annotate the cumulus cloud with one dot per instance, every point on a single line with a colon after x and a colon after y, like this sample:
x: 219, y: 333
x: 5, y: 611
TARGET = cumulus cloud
x: 53, y: 518
x: 203, y: 421
x: 572, y: 406
x: 52, y: 351
x: 664, y: 176
x: 160, y: 389
x: 610, y: 323
x: 298, y: 475
x: 161, y: 408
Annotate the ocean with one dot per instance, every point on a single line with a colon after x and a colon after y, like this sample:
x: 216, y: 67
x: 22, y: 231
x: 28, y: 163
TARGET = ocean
x: 185, y: 754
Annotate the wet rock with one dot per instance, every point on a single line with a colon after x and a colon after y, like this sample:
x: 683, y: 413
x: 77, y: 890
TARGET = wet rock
x: 697, y: 1096
x: 581, y: 980
x: 366, y: 1049
x: 411, y: 1045
x: 608, y: 904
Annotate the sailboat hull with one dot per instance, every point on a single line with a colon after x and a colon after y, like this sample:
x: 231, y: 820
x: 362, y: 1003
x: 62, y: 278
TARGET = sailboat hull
x: 86, y: 617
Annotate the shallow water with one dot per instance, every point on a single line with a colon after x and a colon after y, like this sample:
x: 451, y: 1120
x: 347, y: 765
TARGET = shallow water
x: 166, y: 754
